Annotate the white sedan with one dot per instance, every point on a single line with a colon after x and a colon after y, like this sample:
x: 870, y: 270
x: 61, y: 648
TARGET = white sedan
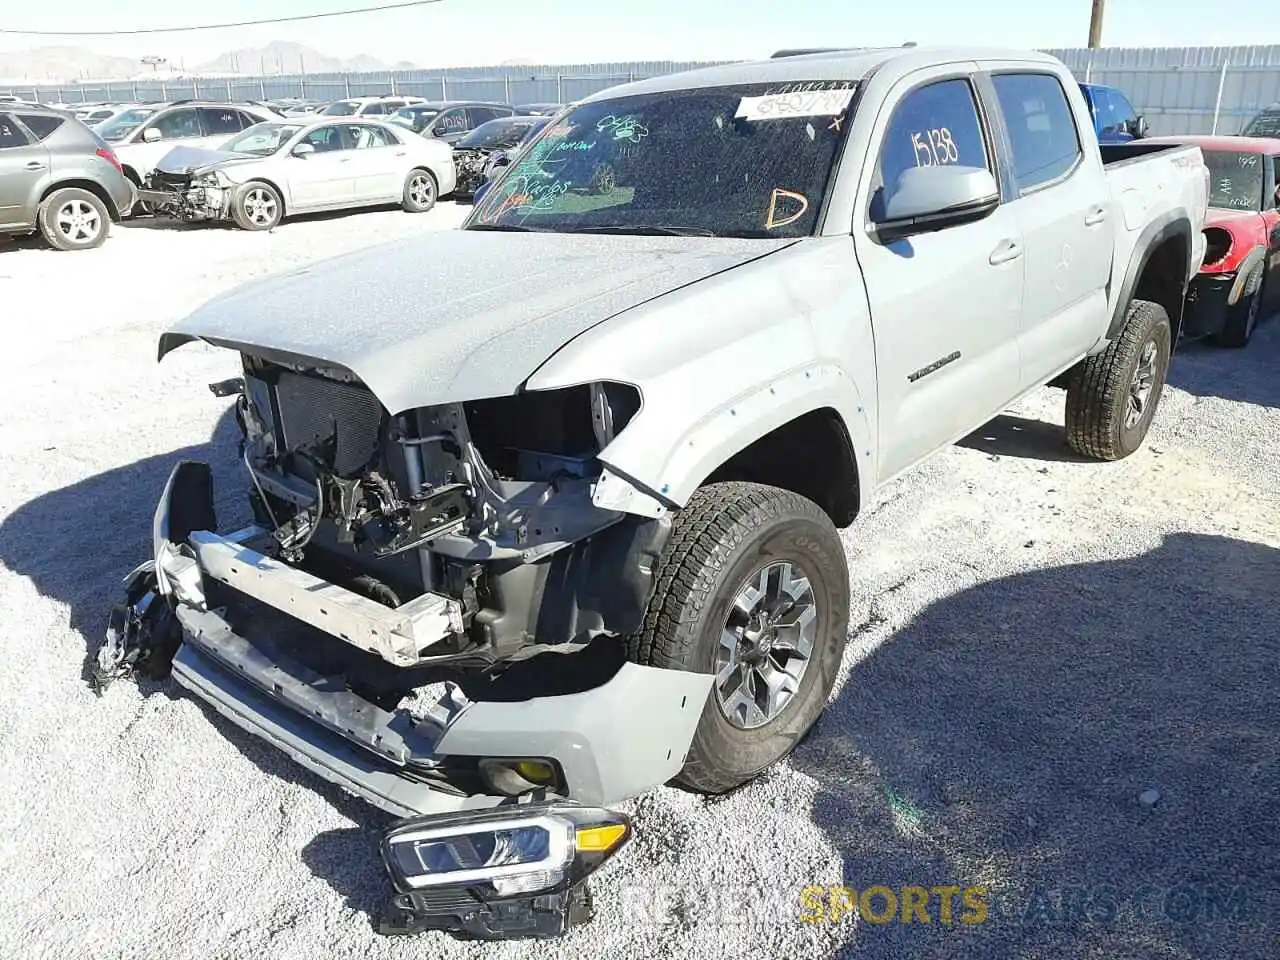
x: 292, y: 166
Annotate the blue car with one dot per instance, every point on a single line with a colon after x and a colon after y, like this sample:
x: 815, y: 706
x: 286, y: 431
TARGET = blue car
x: 1114, y: 119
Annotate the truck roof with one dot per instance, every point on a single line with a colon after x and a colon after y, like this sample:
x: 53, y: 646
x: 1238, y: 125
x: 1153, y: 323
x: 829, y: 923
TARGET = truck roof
x: 849, y: 64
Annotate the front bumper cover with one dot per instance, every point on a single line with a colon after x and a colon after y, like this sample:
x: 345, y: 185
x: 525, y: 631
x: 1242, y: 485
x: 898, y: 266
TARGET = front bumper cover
x: 619, y: 739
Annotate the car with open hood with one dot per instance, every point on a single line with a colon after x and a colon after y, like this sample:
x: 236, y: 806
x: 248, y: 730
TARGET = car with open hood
x: 481, y: 152
x: 300, y: 165
x: 551, y: 518
x: 1239, y: 283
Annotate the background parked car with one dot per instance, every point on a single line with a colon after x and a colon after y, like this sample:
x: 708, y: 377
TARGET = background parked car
x: 193, y: 123
x: 449, y: 120
x: 539, y: 109
x: 1114, y: 119
x: 472, y: 153
x: 1237, y: 285
x: 367, y: 106
x: 1265, y: 124
x: 300, y: 166
x: 59, y: 177
x: 123, y: 121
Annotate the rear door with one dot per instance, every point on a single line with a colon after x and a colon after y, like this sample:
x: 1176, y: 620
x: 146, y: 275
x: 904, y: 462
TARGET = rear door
x: 24, y: 163
x: 378, y: 163
x: 1066, y: 216
x: 219, y: 124
x: 944, y: 304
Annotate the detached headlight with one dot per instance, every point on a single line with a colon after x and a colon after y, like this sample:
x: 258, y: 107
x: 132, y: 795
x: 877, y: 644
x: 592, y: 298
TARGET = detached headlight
x: 498, y: 873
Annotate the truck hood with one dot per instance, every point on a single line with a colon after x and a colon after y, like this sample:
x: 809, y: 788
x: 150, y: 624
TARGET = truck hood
x: 460, y: 314
x: 193, y: 160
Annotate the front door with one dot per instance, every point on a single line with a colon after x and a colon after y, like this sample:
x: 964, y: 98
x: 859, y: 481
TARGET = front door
x: 23, y: 164
x: 944, y: 305
x: 324, y: 178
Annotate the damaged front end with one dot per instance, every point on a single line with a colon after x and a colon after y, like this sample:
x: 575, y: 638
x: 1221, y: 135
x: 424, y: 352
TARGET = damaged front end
x: 472, y: 168
x: 188, y: 196
x: 426, y: 610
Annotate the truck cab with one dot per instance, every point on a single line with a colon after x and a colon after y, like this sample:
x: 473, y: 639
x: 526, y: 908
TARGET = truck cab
x: 1114, y: 119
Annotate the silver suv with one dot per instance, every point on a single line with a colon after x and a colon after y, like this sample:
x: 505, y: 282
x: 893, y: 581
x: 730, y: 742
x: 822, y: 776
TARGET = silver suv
x: 59, y: 177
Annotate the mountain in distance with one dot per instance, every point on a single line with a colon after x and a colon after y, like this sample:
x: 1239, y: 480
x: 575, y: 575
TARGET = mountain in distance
x: 64, y: 64
x: 282, y: 56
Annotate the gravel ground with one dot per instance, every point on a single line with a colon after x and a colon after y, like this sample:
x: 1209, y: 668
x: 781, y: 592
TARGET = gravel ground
x: 1038, y: 642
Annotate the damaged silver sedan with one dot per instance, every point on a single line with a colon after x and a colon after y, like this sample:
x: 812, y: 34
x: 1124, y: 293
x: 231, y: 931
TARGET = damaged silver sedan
x: 281, y: 168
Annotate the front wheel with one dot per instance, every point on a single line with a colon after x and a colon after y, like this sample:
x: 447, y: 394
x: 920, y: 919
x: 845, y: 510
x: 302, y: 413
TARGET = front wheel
x: 1112, y: 396
x: 752, y: 588
x: 257, y: 206
x: 419, y: 191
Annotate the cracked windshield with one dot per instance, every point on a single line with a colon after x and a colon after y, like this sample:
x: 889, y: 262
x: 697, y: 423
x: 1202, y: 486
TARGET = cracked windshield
x: 748, y: 160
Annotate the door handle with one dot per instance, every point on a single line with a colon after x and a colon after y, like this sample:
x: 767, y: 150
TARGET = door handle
x: 35, y: 165
x: 401, y: 153
x: 1008, y: 250
x: 1095, y: 217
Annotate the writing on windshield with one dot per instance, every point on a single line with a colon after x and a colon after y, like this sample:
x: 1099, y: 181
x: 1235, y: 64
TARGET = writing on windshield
x: 749, y: 160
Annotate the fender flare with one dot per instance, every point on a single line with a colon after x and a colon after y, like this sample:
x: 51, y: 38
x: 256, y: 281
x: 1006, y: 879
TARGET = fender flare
x: 1244, y: 273
x: 727, y: 430
x: 1173, y: 224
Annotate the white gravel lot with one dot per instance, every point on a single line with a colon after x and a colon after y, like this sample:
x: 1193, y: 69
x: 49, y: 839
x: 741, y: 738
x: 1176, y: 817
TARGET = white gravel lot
x: 1038, y: 642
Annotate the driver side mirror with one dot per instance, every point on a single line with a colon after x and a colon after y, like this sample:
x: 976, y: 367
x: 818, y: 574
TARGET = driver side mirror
x: 151, y: 135
x: 303, y: 150
x: 935, y: 198
x: 1138, y: 127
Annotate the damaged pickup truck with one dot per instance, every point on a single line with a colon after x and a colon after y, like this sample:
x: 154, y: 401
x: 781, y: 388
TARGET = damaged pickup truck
x: 516, y: 559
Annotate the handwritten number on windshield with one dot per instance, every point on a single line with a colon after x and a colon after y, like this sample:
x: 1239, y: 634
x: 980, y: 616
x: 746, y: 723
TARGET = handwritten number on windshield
x: 623, y: 128
x: 934, y: 147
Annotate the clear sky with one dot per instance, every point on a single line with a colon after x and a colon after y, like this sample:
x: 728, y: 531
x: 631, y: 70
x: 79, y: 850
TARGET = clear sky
x: 461, y: 32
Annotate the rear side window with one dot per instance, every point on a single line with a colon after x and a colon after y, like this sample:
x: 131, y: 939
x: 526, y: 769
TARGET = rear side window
x: 10, y: 135
x: 41, y: 125
x: 934, y: 125
x: 1046, y: 144
x: 219, y: 123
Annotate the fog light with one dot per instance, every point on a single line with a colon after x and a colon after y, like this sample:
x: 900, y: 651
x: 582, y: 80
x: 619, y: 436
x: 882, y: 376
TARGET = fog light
x: 513, y: 777
x: 500, y: 872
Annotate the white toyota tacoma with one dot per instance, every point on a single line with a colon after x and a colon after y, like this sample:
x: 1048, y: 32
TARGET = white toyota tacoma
x: 561, y: 525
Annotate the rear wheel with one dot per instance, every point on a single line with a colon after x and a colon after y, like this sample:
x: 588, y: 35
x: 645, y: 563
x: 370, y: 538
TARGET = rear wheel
x: 257, y: 206
x: 419, y: 191
x: 1242, y: 319
x: 752, y: 588
x: 73, y: 219
x: 1112, y: 397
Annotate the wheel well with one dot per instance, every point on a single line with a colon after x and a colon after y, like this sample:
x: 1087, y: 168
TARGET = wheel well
x: 284, y: 204
x: 89, y: 185
x: 1163, y: 279
x: 811, y: 455
x: 132, y: 174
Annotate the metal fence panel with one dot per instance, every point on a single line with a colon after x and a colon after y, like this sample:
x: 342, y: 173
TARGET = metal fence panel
x: 1179, y: 90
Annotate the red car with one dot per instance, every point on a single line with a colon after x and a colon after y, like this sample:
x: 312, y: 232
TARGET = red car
x: 1237, y: 285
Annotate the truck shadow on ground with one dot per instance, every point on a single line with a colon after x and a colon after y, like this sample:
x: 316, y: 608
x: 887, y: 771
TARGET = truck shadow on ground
x: 1013, y: 436
x: 77, y: 544
x: 1005, y: 737
x: 1249, y: 375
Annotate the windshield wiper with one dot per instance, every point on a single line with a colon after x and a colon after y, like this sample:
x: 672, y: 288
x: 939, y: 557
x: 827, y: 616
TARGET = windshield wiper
x: 648, y: 230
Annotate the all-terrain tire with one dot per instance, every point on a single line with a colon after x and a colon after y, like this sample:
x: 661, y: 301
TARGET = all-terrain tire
x: 1242, y: 319
x: 1101, y: 423
x: 722, y: 539
x: 420, y: 191
x: 73, y: 219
